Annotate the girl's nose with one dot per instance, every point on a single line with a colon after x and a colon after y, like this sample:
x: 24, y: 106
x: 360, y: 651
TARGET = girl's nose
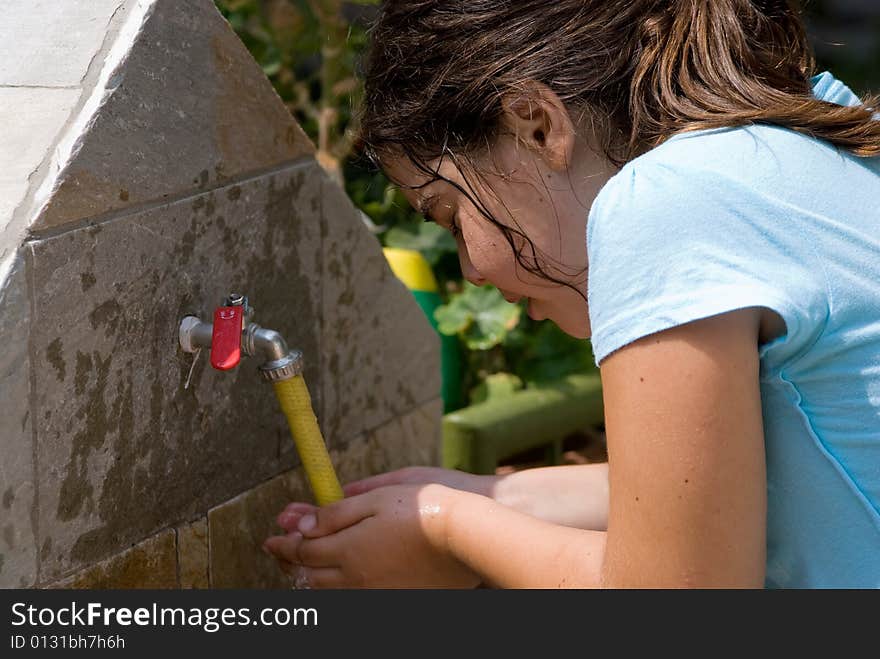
x: 468, y: 270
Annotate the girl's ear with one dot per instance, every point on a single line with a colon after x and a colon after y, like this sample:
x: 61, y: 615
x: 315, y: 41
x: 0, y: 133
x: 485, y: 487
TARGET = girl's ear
x: 537, y: 118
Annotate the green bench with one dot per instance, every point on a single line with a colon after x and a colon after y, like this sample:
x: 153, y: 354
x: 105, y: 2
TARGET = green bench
x: 479, y: 437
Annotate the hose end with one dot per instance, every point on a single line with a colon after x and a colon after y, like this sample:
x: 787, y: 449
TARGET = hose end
x: 283, y: 369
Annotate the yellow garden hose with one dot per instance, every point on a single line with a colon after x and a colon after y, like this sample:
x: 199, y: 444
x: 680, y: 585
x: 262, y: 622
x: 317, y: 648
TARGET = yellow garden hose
x: 233, y: 334
x: 293, y: 395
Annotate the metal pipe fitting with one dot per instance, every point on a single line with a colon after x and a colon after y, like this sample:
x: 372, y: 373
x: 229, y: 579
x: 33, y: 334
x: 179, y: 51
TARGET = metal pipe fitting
x: 194, y: 334
x: 277, y: 361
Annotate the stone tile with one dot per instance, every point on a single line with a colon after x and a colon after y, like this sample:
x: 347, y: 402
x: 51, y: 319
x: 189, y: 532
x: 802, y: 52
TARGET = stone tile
x: 31, y: 121
x: 352, y: 461
x: 149, y: 564
x: 411, y: 440
x: 422, y: 436
x: 192, y: 554
x: 18, y: 548
x: 51, y: 44
x: 237, y: 529
x: 189, y: 109
x: 381, y: 355
x: 124, y: 450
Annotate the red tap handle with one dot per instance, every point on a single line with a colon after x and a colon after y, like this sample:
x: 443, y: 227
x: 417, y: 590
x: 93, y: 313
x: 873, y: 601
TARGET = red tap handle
x: 226, y: 337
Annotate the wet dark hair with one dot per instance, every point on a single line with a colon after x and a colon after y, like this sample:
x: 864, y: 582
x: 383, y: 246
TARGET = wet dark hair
x: 635, y: 71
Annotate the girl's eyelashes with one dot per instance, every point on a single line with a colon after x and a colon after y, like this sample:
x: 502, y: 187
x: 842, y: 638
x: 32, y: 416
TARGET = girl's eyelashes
x: 426, y: 207
x: 454, y: 228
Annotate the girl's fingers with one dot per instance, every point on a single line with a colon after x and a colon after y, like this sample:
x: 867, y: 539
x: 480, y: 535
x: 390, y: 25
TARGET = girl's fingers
x: 371, y: 483
x: 292, y: 548
x: 284, y: 547
x: 328, y: 551
x: 319, y: 577
x: 288, y: 521
x: 336, y: 516
x: 290, y: 569
x: 288, y: 518
x: 299, y: 507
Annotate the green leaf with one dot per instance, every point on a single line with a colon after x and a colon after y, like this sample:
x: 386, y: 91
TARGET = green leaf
x: 454, y: 317
x: 542, y: 353
x: 429, y: 239
x: 480, y: 315
x: 271, y: 68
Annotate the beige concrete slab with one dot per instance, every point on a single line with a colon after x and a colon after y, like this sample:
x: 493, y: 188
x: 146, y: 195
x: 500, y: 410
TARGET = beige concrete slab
x: 50, y: 43
x: 188, y: 108
x: 32, y: 120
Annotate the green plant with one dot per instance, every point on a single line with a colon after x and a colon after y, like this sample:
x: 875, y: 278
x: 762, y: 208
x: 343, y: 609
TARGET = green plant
x: 309, y: 50
x: 479, y: 315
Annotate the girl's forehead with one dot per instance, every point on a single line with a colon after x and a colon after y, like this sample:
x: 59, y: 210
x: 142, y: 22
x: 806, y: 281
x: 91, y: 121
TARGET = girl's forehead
x: 402, y: 170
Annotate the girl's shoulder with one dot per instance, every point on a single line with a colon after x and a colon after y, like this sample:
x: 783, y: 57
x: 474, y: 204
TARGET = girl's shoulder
x: 707, y: 223
x: 747, y: 173
x: 759, y: 158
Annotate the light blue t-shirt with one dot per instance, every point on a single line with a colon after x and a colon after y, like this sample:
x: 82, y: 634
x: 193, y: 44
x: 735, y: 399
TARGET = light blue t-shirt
x: 713, y: 221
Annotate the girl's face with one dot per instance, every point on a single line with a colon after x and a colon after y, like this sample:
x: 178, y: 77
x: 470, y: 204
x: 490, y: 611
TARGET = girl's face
x: 545, y: 198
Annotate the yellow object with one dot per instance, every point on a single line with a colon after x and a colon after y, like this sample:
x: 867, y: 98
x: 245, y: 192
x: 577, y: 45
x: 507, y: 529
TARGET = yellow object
x: 410, y: 267
x: 293, y: 395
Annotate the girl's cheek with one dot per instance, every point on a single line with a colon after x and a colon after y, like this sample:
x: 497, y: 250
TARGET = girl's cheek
x: 488, y: 250
x: 482, y: 254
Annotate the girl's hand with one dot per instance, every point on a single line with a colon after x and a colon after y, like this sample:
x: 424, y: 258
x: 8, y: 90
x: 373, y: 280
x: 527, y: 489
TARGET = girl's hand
x: 458, y: 480
x: 570, y: 495
x: 289, y: 518
x: 390, y: 537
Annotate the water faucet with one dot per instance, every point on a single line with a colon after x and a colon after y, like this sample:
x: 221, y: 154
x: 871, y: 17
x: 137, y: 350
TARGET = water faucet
x: 233, y: 333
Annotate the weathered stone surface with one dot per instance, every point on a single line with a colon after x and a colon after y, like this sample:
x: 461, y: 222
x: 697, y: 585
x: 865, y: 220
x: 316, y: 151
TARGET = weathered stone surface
x: 188, y: 179
x: 381, y: 355
x: 149, y: 564
x: 31, y: 120
x: 422, y: 438
x: 51, y: 44
x: 123, y: 449
x: 411, y: 440
x: 189, y: 108
x: 18, y: 548
x: 238, y: 528
x: 192, y: 554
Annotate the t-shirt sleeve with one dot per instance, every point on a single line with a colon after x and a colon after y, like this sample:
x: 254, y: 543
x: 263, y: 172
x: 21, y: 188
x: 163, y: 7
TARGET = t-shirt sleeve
x: 668, y: 246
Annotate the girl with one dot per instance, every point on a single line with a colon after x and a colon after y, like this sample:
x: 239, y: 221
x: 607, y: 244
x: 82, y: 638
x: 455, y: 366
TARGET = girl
x: 667, y: 178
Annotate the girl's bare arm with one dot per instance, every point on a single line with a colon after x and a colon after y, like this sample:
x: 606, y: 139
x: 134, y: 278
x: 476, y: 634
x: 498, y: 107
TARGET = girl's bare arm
x: 570, y: 495
x: 686, y: 473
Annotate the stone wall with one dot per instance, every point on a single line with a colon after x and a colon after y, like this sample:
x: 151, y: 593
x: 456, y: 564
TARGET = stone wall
x: 149, y: 169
